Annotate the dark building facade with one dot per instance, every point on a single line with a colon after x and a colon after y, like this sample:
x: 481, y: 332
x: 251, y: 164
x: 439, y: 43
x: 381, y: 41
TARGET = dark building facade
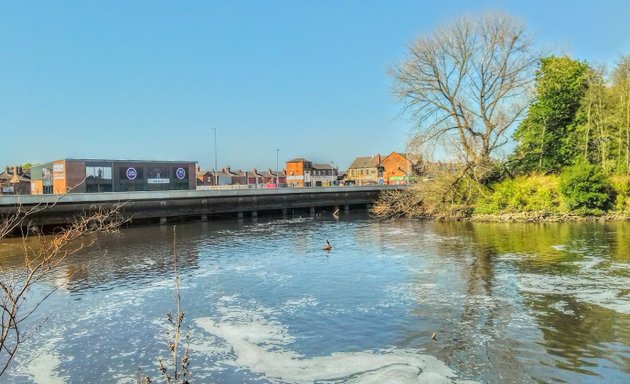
x: 96, y: 175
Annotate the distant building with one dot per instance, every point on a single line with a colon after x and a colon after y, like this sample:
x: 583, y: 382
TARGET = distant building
x: 400, y: 168
x: 275, y: 177
x: 95, y: 175
x: 223, y: 177
x: 299, y: 172
x: 365, y: 170
x: 205, y: 177
x: 239, y: 177
x: 341, y: 177
x: 15, y: 181
x: 323, y: 175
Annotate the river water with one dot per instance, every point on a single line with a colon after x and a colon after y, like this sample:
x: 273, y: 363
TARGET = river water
x: 509, y: 303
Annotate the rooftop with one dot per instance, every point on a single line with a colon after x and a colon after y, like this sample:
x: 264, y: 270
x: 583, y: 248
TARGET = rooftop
x: 366, y: 162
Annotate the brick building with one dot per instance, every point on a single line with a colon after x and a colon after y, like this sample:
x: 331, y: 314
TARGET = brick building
x: 299, y: 172
x: 400, y: 168
x: 96, y: 175
x: 15, y: 181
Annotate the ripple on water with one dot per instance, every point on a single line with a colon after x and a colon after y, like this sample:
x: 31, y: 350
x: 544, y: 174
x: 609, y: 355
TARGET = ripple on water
x: 591, y: 285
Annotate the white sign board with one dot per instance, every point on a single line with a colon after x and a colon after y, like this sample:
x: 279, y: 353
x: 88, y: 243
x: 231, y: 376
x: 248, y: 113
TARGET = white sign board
x: 158, y: 181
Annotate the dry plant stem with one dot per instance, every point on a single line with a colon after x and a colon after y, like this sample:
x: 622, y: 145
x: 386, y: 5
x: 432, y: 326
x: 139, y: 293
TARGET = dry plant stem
x: 180, y: 369
x: 39, y: 262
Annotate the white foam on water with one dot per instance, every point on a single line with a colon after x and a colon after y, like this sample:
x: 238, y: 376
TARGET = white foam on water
x: 44, y: 367
x: 261, y: 345
x: 560, y: 306
x: 293, y: 305
x: 594, y: 288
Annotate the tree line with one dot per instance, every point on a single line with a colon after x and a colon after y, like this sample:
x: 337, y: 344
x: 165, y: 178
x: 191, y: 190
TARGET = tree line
x: 479, y: 83
x: 580, y: 113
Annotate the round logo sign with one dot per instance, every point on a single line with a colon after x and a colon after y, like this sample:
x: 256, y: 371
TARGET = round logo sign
x: 132, y: 173
x: 180, y: 173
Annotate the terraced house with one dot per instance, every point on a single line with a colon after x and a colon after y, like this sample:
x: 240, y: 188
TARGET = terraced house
x: 365, y: 170
x: 323, y: 175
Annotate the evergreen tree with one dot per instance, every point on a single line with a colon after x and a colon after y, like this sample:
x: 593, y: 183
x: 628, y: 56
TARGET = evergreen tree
x: 545, y: 139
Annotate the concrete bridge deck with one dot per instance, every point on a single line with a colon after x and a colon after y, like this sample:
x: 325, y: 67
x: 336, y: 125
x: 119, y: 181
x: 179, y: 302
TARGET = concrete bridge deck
x: 202, y: 204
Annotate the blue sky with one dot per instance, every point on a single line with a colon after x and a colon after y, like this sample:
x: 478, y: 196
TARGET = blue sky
x: 150, y: 79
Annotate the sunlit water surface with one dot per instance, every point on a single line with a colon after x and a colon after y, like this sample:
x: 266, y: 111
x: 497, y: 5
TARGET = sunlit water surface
x: 509, y: 303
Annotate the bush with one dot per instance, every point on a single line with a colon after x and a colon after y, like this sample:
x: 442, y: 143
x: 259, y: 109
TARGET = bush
x: 585, y: 189
x: 535, y: 193
x: 621, y: 186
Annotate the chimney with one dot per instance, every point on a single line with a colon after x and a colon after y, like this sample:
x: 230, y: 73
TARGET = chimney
x: 7, y: 170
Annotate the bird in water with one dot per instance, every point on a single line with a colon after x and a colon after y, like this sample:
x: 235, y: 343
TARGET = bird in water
x: 327, y: 246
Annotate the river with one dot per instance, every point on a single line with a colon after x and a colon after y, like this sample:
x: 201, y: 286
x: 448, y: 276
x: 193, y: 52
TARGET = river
x: 508, y: 303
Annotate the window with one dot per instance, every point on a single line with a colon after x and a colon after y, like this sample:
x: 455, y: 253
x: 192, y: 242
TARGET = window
x: 104, y: 173
x: 157, y: 173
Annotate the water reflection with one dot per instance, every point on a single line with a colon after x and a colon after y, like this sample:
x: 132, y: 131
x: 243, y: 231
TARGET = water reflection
x: 557, y: 267
x: 509, y: 302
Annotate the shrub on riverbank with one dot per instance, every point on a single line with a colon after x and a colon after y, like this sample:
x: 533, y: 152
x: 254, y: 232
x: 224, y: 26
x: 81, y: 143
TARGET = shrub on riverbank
x: 621, y: 186
x: 535, y: 193
x: 586, y: 190
x: 587, y: 195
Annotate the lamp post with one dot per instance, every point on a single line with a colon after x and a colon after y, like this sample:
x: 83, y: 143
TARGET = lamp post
x: 334, y: 173
x: 277, y: 167
x: 216, y: 171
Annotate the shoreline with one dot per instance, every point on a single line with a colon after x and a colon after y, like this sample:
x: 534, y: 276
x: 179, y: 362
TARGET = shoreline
x: 546, y: 217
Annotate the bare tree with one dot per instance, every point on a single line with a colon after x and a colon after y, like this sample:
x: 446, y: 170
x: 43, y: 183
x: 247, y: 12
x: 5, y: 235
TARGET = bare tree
x: 467, y: 84
x: 42, y: 255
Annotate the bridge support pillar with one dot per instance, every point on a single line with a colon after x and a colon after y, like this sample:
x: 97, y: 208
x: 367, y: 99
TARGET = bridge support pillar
x: 204, y: 217
x: 312, y: 211
x: 254, y: 214
x: 284, y: 212
x: 239, y: 215
x: 163, y: 220
x: 346, y: 208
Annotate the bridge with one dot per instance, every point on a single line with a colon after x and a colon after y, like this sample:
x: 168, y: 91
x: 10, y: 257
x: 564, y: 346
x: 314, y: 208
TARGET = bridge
x: 165, y: 206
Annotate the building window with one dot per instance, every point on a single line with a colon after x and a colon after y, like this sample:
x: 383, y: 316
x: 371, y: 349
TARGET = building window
x: 104, y: 173
x: 158, y: 173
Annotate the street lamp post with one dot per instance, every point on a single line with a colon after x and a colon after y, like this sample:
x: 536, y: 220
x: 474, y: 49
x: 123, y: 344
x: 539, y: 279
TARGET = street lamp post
x: 277, y: 168
x: 334, y: 173
x: 216, y: 171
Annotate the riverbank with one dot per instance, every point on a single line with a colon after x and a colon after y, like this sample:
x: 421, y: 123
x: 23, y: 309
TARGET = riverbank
x: 546, y: 217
